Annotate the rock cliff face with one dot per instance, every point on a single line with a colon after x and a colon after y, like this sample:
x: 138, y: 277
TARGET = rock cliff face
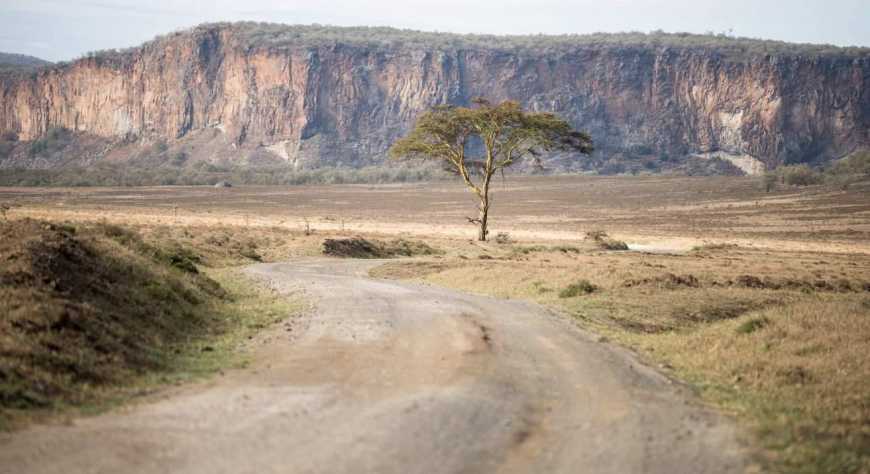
x: 336, y: 101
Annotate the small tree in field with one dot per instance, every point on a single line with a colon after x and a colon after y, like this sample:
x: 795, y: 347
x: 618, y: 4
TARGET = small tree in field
x: 508, y: 135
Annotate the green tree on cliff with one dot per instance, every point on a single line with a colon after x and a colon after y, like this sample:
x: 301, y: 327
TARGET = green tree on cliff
x: 508, y: 135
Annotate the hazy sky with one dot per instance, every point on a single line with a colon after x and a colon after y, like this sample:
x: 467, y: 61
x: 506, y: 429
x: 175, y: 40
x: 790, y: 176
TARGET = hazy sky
x: 64, y: 29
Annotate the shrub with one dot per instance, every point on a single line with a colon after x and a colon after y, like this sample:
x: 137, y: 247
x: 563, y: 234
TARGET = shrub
x: 604, y: 241
x: 850, y: 170
x: 54, y: 139
x: 579, y: 288
x: 798, y: 175
x: 752, y: 325
x: 856, y: 164
x: 651, y: 165
x: 596, y: 234
x: 160, y: 147
x: 713, y: 166
x: 566, y: 249
x: 502, y: 238
x: 178, y: 159
x: 768, y: 181
x: 181, y: 262
x: 122, y: 235
x: 611, y: 168
x: 6, y: 149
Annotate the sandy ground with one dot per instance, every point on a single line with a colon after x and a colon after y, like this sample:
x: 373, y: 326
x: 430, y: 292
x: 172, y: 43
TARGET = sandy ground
x: 675, y: 213
x: 393, y: 377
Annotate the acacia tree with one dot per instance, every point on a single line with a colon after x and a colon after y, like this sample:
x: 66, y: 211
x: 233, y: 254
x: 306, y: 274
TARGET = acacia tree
x: 507, y: 133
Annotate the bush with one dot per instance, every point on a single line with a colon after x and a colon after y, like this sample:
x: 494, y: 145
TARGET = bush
x: 580, y: 288
x: 798, y: 175
x: 54, y: 139
x: 856, y: 164
x: 6, y: 149
x: 611, y: 168
x: 850, y: 170
x: 604, y: 241
x: 596, y: 234
x: 714, y: 166
x: 768, y: 181
x: 502, y: 238
x: 752, y: 325
x: 651, y: 165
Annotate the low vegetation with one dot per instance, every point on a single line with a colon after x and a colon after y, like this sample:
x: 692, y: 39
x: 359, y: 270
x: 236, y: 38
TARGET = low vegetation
x: 19, y: 63
x: 204, y: 173
x: 93, y: 314
x: 580, y: 288
x: 281, y: 37
x: 841, y: 174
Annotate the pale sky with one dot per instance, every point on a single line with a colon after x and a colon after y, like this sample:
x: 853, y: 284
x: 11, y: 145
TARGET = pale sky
x: 65, y: 29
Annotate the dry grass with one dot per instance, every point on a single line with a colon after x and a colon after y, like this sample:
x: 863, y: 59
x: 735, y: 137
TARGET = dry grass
x: 800, y: 375
x: 790, y: 360
x: 688, y: 211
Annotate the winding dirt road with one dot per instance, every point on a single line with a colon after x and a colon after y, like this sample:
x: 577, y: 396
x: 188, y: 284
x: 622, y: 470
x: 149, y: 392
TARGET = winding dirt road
x: 391, y: 377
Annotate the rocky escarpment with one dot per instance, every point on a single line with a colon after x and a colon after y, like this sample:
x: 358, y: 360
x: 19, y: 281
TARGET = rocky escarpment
x: 325, y: 96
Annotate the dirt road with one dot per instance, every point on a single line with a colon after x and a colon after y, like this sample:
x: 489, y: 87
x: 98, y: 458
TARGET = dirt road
x: 390, y: 377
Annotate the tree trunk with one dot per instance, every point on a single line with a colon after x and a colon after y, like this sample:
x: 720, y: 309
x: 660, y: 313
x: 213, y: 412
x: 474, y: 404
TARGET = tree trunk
x: 484, y: 210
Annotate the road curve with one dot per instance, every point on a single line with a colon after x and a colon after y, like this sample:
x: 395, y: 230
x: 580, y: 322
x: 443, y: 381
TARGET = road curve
x: 392, y: 377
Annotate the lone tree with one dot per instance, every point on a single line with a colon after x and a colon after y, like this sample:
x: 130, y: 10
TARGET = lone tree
x: 507, y: 133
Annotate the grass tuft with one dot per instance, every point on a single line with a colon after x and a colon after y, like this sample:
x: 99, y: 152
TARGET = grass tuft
x: 579, y: 288
x: 752, y: 325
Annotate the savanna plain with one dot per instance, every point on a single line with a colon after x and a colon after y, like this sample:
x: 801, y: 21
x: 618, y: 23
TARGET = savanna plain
x: 755, y: 300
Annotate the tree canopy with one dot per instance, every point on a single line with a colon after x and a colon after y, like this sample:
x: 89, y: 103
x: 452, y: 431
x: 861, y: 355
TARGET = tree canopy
x: 507, y: 133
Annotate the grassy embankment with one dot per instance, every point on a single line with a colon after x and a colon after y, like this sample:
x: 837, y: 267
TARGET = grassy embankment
x: 777, y: 338
x: 94, y: 315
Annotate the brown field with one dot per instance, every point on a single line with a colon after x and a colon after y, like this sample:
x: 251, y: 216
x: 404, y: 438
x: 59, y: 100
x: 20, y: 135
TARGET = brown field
x: 760, y: 301
x: 682, y: 211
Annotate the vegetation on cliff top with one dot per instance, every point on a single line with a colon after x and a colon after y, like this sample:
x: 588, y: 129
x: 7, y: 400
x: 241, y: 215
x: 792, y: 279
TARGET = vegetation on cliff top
x: 20, y: 61
x: 281, y: 37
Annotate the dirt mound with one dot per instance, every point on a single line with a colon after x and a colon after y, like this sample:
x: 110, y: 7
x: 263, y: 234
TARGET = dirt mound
x: 358, y: 247
x: 88, y: 307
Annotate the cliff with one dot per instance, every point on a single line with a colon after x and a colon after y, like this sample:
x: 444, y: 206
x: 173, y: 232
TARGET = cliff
x: 316, y: 96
